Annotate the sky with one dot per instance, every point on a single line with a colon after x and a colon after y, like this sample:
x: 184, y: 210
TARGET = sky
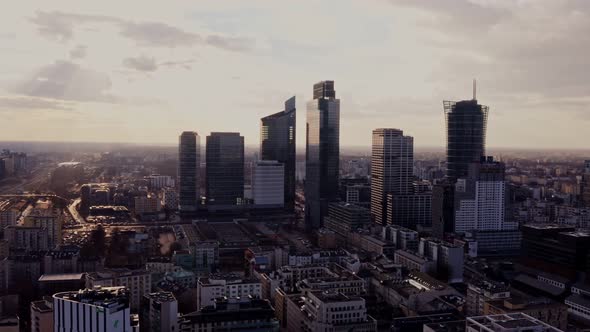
x: 144, y: 71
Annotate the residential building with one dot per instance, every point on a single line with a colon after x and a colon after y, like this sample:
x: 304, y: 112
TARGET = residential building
x: 480, y: 291
x: 229, y: 285
x: 159, y: 312
x: 322, y: 158
x: 243, y: 314
x: 277, y: 142
x: 449, y: 258
x: 147, y: 204
x: 42, y: 316
x: 46, y: 215
x: 328, y: 311
x: 344, y: 218
x: 206, y: 256
x: 138, y: 283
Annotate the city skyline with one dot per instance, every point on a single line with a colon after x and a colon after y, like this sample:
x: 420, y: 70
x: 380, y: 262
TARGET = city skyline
x: 90, y: 74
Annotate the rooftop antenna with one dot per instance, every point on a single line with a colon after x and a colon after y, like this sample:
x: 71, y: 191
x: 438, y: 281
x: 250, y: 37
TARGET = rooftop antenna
x: 474, y: 89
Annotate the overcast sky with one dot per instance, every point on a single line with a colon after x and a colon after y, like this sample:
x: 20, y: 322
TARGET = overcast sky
x: 143, y: 71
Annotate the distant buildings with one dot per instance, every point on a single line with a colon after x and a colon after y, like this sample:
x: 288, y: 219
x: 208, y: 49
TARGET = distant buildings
x: 268, y: 181
x: 189, y: 161
x: 277, y: 142
x: 322, y: 153
x: 585, y: 185
x: 225, y: 170
x: 466, y: 123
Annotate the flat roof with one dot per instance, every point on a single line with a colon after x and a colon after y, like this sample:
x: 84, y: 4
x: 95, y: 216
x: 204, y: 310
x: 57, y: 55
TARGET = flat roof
x: 61, y: 277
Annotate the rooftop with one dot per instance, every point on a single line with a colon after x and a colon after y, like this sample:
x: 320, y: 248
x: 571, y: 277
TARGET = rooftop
x: 61, y: 277
x: 42, y: 306
x: 106, y: 297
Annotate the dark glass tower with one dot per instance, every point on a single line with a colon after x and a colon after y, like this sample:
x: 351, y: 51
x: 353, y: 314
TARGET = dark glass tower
x: 322, y: 159
x: 225, y: 169
x: 277, y: 142
x: 188, y: 171
x: 466, y: 135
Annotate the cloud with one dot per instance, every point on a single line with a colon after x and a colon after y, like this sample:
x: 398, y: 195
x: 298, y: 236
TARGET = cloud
x: 158, y: 34
x: 231, y: 44
x: 78, y: 53
x: 141, y: 63
x: 61, y: 26
x: 68, y: 81
x: 27, y: 103
x: 186, y: 64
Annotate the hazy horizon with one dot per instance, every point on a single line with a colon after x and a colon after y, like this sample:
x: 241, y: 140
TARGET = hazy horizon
x: 76, y: 71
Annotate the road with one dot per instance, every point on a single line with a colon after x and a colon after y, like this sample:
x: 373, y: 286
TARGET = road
x: 74, y: 212
x: 38, y: 177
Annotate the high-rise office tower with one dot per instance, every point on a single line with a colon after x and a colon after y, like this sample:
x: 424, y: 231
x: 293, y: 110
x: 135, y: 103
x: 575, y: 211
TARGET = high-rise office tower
x: 322, y: 159
x: 466, y: 123
x: 225, y: 169
x: 277, y: 142
x: 189, y: 160
x: 585, y: 185
x: 392, y: 161
x: 268, y: 184
x: 480, y: 198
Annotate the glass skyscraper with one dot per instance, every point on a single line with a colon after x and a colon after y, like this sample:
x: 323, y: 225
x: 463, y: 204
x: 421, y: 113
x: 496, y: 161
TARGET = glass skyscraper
x: 189, y: 159
x: 277, y: 142
x: 322, y: 159
x: 225, y: 169
x: 466, y: 123
x: 392, y: 168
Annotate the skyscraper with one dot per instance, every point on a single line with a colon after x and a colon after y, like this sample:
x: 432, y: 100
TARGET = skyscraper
x: 392, y: 161
x: 480, y: 198
x: 466, y: 135
x: 189, y: 160
x: 277, y: 142
x: 225, y: 169
x: 322, y: 159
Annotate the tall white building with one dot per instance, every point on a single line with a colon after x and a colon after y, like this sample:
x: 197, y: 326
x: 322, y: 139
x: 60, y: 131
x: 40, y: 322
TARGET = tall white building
x: 268, y: 183
x: 448, y: 257
x: 392, y: 168
x: 480, y: 198
x: 156, y: 181
x: 92, y: 310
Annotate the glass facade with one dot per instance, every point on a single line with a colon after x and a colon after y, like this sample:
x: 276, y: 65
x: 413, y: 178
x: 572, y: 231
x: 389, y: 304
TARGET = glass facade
x: 277, y: 142
x: 188, y: 170
x: 225, y: 169
x: 466, y: 123
x: 322, y: 153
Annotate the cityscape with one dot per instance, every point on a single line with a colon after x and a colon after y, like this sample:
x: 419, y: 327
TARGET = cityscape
x: 330, y: 222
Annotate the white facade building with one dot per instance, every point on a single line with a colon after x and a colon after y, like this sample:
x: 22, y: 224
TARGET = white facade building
x: 230, y: 286
x: 92, y: 310
x: 268, y: 183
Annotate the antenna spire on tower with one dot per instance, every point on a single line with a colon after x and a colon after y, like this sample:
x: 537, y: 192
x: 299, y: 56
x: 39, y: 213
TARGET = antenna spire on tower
x: 474, y: 89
